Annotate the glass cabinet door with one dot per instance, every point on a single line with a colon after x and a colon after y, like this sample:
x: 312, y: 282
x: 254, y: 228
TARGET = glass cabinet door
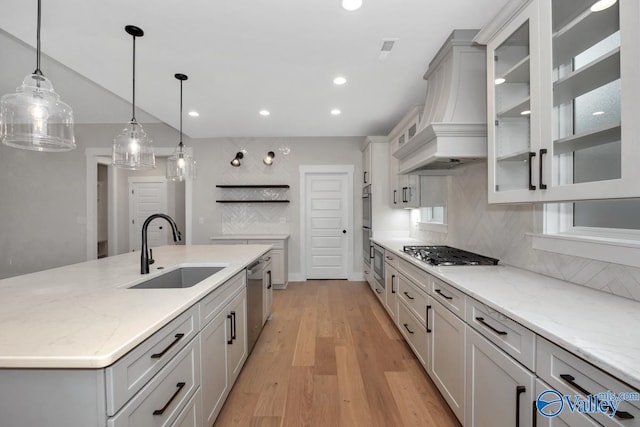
x: 512, y: 138
x: 586, y: 93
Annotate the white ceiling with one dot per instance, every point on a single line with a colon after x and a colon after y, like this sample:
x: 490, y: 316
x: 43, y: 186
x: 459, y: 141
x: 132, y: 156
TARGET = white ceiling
x: 241, y: 56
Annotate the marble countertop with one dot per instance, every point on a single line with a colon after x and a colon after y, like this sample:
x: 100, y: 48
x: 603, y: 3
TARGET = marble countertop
x: 250, y: 237
x: 601, y: 328
x: 84, y: 315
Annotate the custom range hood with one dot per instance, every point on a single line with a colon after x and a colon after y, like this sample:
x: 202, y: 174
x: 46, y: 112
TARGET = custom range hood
x: 453, y: 128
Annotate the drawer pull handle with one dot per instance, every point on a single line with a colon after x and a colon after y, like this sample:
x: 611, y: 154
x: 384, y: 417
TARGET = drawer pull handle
x: 389, y: 258
x: 426, y: 318
x: 485, y: 324
x: 166, y: 405
x: 445, y: 296
x: 393, y: 277
x: 177, y: 337
x: 408, y: 296
x: 519, y: 390
x: 406, y: 326
x: 378, y: 291
x: 570, y: 379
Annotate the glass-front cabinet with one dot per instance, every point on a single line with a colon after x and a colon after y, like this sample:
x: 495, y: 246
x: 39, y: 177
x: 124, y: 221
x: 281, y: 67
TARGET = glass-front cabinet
x: 564, y: 92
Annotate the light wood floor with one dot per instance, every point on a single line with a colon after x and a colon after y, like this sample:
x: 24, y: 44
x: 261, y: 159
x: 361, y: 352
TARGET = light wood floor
x: 331, y: 356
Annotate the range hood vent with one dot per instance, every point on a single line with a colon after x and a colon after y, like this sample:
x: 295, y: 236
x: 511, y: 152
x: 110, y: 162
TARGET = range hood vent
x: 453, y: 129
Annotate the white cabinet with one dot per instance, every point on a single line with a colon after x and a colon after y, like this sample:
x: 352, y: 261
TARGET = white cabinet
x: 562, y: 101
x: 403, y: 189
x: 391, y: 290
x: 564, y: 418
x: 409, y: 191
x: 366, y: 165
x: 499, y: 390
x: 268, y: 294
x: 447, y: 367
x: 224, y: 351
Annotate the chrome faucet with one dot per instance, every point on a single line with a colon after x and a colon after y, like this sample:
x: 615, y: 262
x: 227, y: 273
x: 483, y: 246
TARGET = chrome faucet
x: 145, y: 260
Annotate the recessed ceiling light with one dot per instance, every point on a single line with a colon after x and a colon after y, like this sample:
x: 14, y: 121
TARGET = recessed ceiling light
x: 526, y: 112
x: 499, y: 80
x: 194, y: 113
x: 597, y: 113
x: 339, y: 80
x: 602, y: 5
x: 351, y: 5
x: 336, y: 112
x: 264, y: 112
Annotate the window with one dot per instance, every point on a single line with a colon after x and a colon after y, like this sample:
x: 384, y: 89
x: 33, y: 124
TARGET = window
x: 432, y: 215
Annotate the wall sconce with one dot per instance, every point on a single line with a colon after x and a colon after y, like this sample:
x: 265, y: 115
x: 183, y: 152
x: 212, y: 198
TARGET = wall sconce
x: 268, y: 159
x: 236, y: 161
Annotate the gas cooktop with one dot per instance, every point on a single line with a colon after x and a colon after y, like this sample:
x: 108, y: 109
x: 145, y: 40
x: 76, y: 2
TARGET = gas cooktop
x: 446, y: 255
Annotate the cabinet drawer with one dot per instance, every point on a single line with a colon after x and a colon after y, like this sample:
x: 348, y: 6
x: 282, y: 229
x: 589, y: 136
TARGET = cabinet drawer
x: 125, y: 377
x: 379, y: 291
x: 211, y: 305
x: 277, y: 244
x: 163, y: 398
x: 449, y: 296
x: 391, y: 258
x: 192, y: 412
x: 417, y: 275
x: 571, y: 375
x: 513, y: 338
x: 413, y: 332
x: 415, y: 298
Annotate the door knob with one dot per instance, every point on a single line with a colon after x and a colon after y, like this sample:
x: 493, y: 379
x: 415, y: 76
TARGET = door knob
x: 344, y: 231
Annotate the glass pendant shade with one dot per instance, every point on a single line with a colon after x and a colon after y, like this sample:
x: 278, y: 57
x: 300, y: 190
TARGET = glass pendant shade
x: 132, y: 148
x: 180, y: 165
x: 34, y: 118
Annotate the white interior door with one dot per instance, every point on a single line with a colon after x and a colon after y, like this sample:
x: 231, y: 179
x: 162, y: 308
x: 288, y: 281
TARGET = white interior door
x: 146, y: 198
x: 326, y: 225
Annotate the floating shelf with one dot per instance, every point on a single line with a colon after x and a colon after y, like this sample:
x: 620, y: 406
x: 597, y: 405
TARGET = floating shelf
x: 584, y: 140
x: 253, y: 186
x: 593, y: 75
x: 252, y: 201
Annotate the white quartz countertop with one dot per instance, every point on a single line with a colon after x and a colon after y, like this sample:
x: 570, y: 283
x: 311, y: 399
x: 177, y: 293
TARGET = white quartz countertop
x: 601, y: 328
x: 84, y: 315
x: 250, y: 237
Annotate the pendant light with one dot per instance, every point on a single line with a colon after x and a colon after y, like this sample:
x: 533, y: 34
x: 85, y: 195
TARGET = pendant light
x: 132, y: 149
x: 180, y: 164
x: 34, y: 118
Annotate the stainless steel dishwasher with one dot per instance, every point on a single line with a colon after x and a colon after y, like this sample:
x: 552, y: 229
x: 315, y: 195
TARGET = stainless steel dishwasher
x: 256, y: 274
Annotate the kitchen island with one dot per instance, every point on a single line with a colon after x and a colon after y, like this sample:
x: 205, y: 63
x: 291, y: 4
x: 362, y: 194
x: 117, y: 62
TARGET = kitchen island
x: 79, y: 346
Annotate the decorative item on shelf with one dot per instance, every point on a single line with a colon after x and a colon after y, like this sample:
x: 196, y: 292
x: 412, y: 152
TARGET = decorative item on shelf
x: 132, y: 149
x: 268, y: 159
x: 34, y: 117
x: 236, y: 161
x: 264, y: 190
x: 180, y: 165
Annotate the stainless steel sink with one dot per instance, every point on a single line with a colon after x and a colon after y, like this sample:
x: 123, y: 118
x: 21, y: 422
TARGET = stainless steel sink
x: 183, y: 277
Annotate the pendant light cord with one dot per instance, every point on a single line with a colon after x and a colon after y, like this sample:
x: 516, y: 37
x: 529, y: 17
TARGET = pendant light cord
x: 37, y: 71
x: 133, y: 105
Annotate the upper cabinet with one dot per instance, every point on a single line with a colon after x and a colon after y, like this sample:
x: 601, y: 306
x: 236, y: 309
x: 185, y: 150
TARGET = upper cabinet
x: 562, y: 94
x: 403, y: 189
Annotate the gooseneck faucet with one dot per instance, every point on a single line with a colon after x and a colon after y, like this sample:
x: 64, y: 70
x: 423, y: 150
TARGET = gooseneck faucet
x: 144, y: 256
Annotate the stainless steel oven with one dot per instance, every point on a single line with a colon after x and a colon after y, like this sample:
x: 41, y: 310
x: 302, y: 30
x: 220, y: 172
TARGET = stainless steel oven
x: 366, y: 206
x: 378, y: 264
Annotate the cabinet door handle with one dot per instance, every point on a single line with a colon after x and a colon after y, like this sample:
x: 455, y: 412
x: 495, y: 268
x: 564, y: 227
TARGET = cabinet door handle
x: 166, y: 405
x: 426, y: 318
x: 534, y: 411
x: 269, y: 274
x: 371, y: 252
x: 445, y: 296
x: 404, y: 195
x: 407, y: 294
x: 570, y: 379
x: 365, y: 177
x: 394, y: 197
x: 531, y: 156
x: 233, y: 333
x: 543, y: 151
x: 519, y: 390
x: 177, y: 337
x: 230, y: 340
x: 393, y: 276
x: 486, y: 325
x: 406, y: 326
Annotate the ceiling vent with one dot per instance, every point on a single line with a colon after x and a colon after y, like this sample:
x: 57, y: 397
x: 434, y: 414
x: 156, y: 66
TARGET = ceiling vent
x: 385, y: 48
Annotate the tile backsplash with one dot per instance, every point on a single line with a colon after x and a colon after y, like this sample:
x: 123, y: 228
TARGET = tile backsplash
x: 500, y: 231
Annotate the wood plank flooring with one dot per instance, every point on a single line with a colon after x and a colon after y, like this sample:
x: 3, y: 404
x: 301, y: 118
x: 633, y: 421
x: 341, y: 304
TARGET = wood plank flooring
x: 331, y: 356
